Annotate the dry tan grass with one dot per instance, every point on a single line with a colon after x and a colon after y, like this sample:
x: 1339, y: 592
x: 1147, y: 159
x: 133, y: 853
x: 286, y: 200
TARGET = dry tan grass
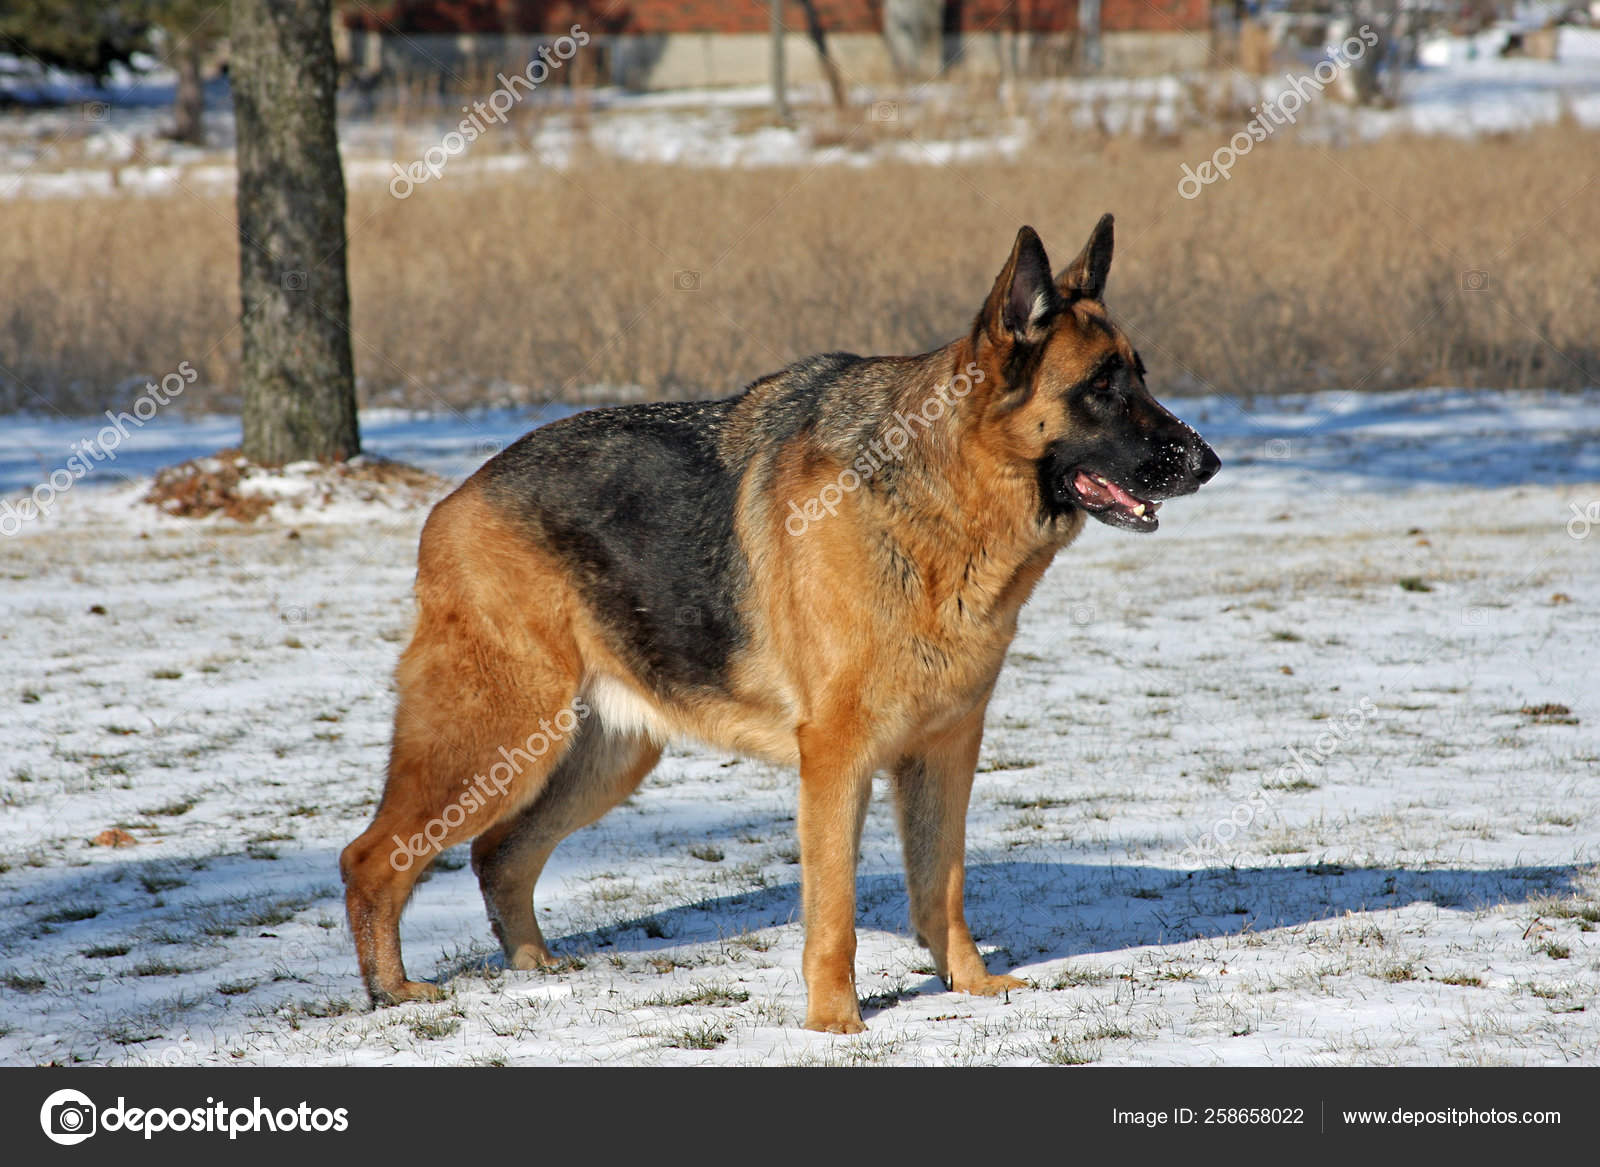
x: 1310, y: 268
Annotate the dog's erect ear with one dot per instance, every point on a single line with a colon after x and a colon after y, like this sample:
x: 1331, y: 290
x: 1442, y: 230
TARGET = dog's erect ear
x: 1085, y: 277
x: 1023, y: 300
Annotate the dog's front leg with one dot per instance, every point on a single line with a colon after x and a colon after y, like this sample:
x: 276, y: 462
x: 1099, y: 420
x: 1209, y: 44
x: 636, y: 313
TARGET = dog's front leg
x: 834, y: 788
x: 932, y: 789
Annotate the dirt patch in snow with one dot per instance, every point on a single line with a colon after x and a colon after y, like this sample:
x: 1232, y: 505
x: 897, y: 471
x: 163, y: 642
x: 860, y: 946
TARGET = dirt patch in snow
x: 229, y: 484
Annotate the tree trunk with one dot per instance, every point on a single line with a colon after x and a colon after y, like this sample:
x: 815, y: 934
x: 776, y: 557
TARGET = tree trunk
x: 914, y: 30
x: 299, y: 385
x: 780, y: 84
x: 841, y: 97
x: 1091, y: 57
x: 190, y: 107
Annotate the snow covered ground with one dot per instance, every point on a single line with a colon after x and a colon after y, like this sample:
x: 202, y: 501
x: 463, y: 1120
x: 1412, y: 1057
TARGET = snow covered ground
x: 1312, y: 775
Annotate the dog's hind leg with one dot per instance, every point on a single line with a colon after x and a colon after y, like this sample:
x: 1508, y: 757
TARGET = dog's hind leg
x: 486, y: 711
x: 601, y: 769
x: 454, y: 772
x: 932, y: 789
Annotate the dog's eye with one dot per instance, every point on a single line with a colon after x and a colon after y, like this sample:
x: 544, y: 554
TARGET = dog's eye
x: 1105, y: 385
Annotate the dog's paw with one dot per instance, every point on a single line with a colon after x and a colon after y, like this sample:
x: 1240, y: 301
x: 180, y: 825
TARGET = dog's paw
x: 831, y: 1004
x: 529, y: 957
x: 989, y: 985
x: 407, y: 991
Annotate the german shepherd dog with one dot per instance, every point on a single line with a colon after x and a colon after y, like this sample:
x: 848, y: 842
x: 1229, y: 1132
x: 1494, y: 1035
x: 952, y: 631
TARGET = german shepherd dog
x: 823, y: 571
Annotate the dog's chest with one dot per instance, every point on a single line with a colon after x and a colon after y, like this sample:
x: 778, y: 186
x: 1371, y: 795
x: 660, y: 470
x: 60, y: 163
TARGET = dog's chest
x: 957, y: 626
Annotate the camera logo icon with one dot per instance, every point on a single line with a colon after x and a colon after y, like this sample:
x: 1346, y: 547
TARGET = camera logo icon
x: 1583, y: 519
x: 68, y: 1117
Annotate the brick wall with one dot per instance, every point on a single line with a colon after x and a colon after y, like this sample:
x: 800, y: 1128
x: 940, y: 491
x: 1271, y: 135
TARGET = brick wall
x: 750, y: 16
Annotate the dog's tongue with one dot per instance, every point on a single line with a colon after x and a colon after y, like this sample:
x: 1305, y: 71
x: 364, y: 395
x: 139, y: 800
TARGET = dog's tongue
x: 1122, y: 496
x: 1092, y: 489
x: 1103, y: 491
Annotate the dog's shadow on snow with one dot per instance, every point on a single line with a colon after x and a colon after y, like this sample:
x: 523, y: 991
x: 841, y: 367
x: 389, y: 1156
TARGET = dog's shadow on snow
x: 1026, y: 914
x: 1029, y: 914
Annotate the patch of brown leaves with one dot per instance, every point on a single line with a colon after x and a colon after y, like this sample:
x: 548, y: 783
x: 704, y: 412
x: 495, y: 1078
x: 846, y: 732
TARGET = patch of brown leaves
x: 214, y: 484
x: 204, y: 486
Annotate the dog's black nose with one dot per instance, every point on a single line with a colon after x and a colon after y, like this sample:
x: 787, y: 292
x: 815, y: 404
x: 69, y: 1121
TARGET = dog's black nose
x: 1204, y: 463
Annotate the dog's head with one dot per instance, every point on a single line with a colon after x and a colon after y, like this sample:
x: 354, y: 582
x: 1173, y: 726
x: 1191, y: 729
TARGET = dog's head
x: 1065, y: 393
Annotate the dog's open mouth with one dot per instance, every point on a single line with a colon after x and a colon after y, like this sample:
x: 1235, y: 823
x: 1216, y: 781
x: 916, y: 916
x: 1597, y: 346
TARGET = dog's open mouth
x: 1111, y: 504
